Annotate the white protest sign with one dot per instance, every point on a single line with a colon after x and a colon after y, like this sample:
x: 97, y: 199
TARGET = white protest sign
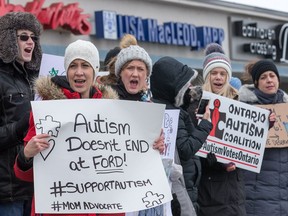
x: 239, y: 132
x: 52, y: 65
x: 170, y: 127
x: 101, y: 158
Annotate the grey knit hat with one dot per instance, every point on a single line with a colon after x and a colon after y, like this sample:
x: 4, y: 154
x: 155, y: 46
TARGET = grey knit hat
x: 215, y: 57
x: 9, y: 24
x: 133, y: 52
x: 84, y: 50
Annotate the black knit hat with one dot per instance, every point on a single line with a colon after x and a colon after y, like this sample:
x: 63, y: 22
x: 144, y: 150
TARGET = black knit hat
x: 9, y: 24
x: 261, y: 67
x: 111, y: 54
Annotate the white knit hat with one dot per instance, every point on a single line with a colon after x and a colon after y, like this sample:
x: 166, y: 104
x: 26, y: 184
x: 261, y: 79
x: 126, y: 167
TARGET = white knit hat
x: 84, y: 50
x: 215, y: 57
x: 133, y: 52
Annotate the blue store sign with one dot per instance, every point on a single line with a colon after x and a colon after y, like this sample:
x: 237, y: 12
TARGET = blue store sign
x: 110, y: 25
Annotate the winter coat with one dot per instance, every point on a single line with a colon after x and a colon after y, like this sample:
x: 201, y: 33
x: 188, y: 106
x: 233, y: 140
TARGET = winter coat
x: 167, y: 88
x: 16, y: 94
x: 267, y: 191
x: 53, y: 89
x: 221, y: 192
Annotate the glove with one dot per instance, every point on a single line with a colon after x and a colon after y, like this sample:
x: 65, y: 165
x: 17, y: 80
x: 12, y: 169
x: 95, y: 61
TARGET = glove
x: 211, y: 159
x: 271, y: 122
x: 175, y: 206
x: 22, y: 125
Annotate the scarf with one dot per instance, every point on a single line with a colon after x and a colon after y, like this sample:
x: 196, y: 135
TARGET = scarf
x: 264, y: 98
x: 124, y: 95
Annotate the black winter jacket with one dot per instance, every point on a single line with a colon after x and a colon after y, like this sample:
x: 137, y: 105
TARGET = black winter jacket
x: 189, y: 140
x: 221, y: 192
x: 169, y: 81
x: 16, y: 93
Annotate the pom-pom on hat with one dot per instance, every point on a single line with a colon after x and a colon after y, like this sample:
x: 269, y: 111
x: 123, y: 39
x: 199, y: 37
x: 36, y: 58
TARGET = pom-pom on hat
x: 235, y: 82
x: 9, y: 24
x: 84, y: 50
x: 261, y: 67
x: 133, y: 52
x: 215, y: 57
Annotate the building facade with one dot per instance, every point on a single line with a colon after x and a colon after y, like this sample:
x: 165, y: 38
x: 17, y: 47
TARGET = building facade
x: 180, y: 29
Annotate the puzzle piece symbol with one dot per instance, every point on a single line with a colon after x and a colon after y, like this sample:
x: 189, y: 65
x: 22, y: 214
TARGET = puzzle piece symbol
x: 49, y: 126
x: 45, y: 153
x: 152, y: 199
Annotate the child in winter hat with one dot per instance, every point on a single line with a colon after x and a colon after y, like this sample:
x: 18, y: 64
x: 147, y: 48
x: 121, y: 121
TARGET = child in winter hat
x: 132, y: 52
x: 9, y: 24
x: 215, y: 57
x: 84, y: 50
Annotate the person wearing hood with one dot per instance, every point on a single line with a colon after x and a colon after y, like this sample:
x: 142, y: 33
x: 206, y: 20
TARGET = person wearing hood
x: 170, y: 82
x: 20, y: 57
x: 221, y: 189
x: 81, y: 63
x: 266, y: 192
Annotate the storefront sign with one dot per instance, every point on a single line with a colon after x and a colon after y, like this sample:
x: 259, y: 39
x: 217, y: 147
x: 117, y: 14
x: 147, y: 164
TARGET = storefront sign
x: 54, y: 16
x: 269, y: 40
x: 265, y: 46
x: 110, y: 25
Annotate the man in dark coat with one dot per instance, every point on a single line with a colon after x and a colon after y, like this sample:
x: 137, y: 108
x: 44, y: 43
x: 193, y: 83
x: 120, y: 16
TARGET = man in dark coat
x: 20, y: 57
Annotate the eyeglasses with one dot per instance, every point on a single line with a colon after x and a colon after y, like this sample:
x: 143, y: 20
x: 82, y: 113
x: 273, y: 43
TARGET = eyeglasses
x: 26, y: 38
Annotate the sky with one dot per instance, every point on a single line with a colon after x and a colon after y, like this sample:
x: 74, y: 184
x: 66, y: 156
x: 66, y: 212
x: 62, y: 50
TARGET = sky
x: 278, y: 5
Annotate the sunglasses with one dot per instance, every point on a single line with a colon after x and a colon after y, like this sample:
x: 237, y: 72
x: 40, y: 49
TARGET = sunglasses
x: 26, y: 38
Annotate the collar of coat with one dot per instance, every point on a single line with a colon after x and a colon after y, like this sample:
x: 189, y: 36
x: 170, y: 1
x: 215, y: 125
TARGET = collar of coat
x: 49, y: 90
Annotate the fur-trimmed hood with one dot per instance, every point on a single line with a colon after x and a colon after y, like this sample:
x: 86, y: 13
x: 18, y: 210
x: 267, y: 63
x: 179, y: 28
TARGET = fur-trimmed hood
x: 247, y: 95
x: 196, y: 94
x: 9, y: 24
x: 48, y: 90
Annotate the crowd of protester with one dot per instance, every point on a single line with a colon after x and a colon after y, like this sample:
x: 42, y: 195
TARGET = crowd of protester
x: 204, y: 186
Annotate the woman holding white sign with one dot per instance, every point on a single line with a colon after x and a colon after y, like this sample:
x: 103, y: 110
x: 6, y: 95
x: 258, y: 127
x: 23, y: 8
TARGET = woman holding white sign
x: 221, y: 190
x: 81, y: 63
x: 266, y: 192
x: 133, y: 67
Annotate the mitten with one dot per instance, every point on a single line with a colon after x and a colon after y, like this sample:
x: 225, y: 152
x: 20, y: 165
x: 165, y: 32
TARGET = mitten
x: 211, y: 159
x: 175, y: 206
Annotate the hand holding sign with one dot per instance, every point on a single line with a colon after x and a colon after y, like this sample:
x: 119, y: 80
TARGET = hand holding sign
x: 36, y: 145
